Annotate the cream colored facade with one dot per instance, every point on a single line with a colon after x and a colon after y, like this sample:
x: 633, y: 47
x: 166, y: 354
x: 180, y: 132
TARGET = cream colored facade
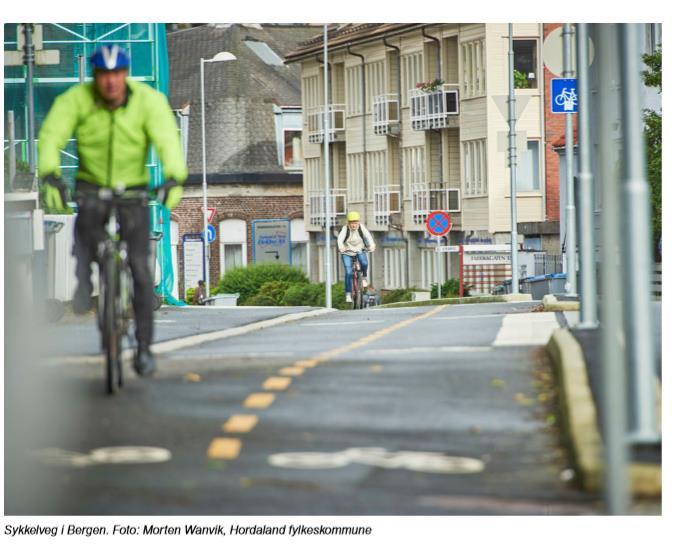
x: 394, y: 179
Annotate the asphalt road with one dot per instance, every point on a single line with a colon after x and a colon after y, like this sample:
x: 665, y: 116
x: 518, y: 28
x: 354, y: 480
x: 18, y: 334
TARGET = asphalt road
x: 413, y: 411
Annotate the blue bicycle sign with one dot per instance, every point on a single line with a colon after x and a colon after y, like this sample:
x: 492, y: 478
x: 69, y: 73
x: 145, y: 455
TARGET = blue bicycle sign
x: 564, y: 96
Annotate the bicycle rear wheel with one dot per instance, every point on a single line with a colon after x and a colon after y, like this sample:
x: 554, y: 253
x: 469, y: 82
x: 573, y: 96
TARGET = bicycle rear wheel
x: 112, y: 333
x: 358, y: 290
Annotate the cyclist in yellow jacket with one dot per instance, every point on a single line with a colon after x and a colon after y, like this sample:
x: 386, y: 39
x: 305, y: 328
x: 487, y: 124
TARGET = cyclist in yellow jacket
x: 115, y: 120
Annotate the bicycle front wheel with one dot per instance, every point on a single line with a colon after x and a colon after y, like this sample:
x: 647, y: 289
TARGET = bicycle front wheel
x: 358, y: 291
x: 112, y: 334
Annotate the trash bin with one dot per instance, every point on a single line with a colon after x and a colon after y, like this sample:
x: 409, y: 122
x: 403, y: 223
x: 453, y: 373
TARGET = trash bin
x: 542, y: 285
x: 223, y: 300
x: 556, y: 283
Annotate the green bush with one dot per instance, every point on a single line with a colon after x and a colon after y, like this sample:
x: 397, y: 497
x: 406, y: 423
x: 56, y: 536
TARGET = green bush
x: 261, y: 300
x: 189, y: 295
x: 311, y: 295
x: 397, y: 295
x: 248, y: 281
x: 450, y: 288
x: 520, y: 80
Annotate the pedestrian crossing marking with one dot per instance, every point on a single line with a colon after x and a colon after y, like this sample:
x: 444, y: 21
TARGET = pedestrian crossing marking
x: 224, y: 448
x: 276, y: 383
x: 259, y: 400
x: 240, y: 424
x: 292, y: 371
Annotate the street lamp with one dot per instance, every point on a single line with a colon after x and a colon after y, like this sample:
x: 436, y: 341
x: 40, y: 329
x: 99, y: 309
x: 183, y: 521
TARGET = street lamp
x: 221, y: 56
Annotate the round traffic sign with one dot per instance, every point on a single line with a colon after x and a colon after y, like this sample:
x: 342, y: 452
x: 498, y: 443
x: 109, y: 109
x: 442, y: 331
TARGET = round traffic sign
x: 438, y: 223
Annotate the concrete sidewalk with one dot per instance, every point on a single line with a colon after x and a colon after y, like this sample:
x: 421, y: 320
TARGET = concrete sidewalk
x: 576, y: 356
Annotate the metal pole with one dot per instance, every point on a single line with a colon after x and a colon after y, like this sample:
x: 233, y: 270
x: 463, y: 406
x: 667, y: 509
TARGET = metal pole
x: 11, y: 134
x: 461, y: 270
x: 612, y: 355
x: 81, y: 68
x: 438, y: 274
x: 326, y: 149
x: 515, y: 288
x: 571, y: 235
x: 205, y: 248
x: 588, y: 314
x: 29, y: 59
x: 636, y: 234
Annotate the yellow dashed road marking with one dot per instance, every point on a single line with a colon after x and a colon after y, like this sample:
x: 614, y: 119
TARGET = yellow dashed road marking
x: 292, y: 371
x: 240, y: 424
x: 224, y: 448
x: 259, y: 400
x: 309, y: 363
x: 276, y: 383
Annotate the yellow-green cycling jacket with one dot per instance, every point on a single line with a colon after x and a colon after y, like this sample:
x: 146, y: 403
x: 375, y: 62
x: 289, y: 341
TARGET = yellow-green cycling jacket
x: 112, y: 144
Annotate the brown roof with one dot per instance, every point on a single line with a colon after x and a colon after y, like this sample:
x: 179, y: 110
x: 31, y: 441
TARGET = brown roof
x: 345, y: 34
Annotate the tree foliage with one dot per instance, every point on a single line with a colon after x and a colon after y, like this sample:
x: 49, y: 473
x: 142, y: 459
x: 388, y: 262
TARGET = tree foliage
x: 653, y: 138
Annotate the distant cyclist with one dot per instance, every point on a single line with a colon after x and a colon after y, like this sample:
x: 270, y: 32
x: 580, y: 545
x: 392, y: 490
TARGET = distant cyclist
x: 354, y: 240
x: 115, y: 121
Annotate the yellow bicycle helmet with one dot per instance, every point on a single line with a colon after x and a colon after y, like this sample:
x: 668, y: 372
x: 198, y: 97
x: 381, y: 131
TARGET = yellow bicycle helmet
x: 353, y: 216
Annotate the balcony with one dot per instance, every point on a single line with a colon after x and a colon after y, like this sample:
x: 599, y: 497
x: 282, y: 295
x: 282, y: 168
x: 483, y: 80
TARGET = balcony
x: 316, y: 127
x: 427, y: 198
x: 436, y: 109
x: 386, y: 114
x: 317, y: 203
x: 386, y: 202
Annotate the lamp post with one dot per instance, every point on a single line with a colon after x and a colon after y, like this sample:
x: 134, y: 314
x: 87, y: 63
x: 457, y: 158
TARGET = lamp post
x: 221, y: 56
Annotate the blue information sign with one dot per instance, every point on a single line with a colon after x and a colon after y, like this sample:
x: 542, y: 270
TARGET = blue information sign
x: 211, y: 233
x: 564, y: 96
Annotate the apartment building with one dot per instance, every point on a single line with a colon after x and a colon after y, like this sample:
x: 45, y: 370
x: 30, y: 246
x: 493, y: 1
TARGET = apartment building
x: 418, y: 122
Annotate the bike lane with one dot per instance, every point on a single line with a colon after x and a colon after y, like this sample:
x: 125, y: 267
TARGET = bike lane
x: 414, y: 409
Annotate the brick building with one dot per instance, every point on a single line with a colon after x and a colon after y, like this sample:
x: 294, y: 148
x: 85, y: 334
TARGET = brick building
x: 253, y: 139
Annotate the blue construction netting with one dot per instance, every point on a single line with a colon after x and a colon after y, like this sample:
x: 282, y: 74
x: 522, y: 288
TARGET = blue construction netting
x: 147, y: 47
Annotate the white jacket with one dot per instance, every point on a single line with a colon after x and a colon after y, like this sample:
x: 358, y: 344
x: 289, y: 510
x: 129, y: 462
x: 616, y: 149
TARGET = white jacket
x: 352, y: 243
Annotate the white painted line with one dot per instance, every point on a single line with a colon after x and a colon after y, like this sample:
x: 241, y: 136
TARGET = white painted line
x: 160, y: 321
x: 497, y: 315
x: 451, y: 349
x: 533, y: 329
x: 343, y: 323
x: 193, y: 340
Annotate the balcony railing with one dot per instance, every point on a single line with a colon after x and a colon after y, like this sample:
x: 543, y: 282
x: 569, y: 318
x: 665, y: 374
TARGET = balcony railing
x: 386, y: 202
x: 427, y: 198
x: 315, y: 120
x: 434, y: 110
x: 337, y: 206
x: 386, y: 114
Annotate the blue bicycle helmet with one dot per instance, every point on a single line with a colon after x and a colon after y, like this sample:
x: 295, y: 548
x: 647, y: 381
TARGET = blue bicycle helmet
x: 109, y: 58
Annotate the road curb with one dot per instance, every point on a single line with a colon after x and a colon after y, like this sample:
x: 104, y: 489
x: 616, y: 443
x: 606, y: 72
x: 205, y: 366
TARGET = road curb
x: 552, y: 305
x: 170, y: 345
x: 459, y: 301
x: 580, y: 420
x: 190, y: 341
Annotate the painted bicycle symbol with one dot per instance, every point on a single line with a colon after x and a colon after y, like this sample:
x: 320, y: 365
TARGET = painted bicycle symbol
x: 424, y: 462
x: 567, y: 98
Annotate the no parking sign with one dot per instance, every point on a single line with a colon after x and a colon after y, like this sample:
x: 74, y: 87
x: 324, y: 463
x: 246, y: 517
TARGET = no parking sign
x: 438, y: 223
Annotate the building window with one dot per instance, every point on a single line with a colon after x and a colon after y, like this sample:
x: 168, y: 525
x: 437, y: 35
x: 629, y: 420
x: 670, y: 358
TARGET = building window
x: 356, y: 188
x: 376, y: 172
x: 413, y: 168
x: 374, y: 75
x: 653, y: 37
x: 527, y: 173
x: 299, y: 239
x: 525, y: 62
x: 232, y: 244
x: 354, y: 91
x: 412, y: 73
x: 473, y: 57
x: 475, y: 171
x: 265, y: 53
x: 293, y: 155
x: 310, y: 90
x: 394, y: 268
x: 428, y: 269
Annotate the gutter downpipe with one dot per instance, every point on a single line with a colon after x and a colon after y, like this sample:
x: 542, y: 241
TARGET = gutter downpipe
x: 439, y: 131
x: 400, y: 168
x: 364, y: 116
